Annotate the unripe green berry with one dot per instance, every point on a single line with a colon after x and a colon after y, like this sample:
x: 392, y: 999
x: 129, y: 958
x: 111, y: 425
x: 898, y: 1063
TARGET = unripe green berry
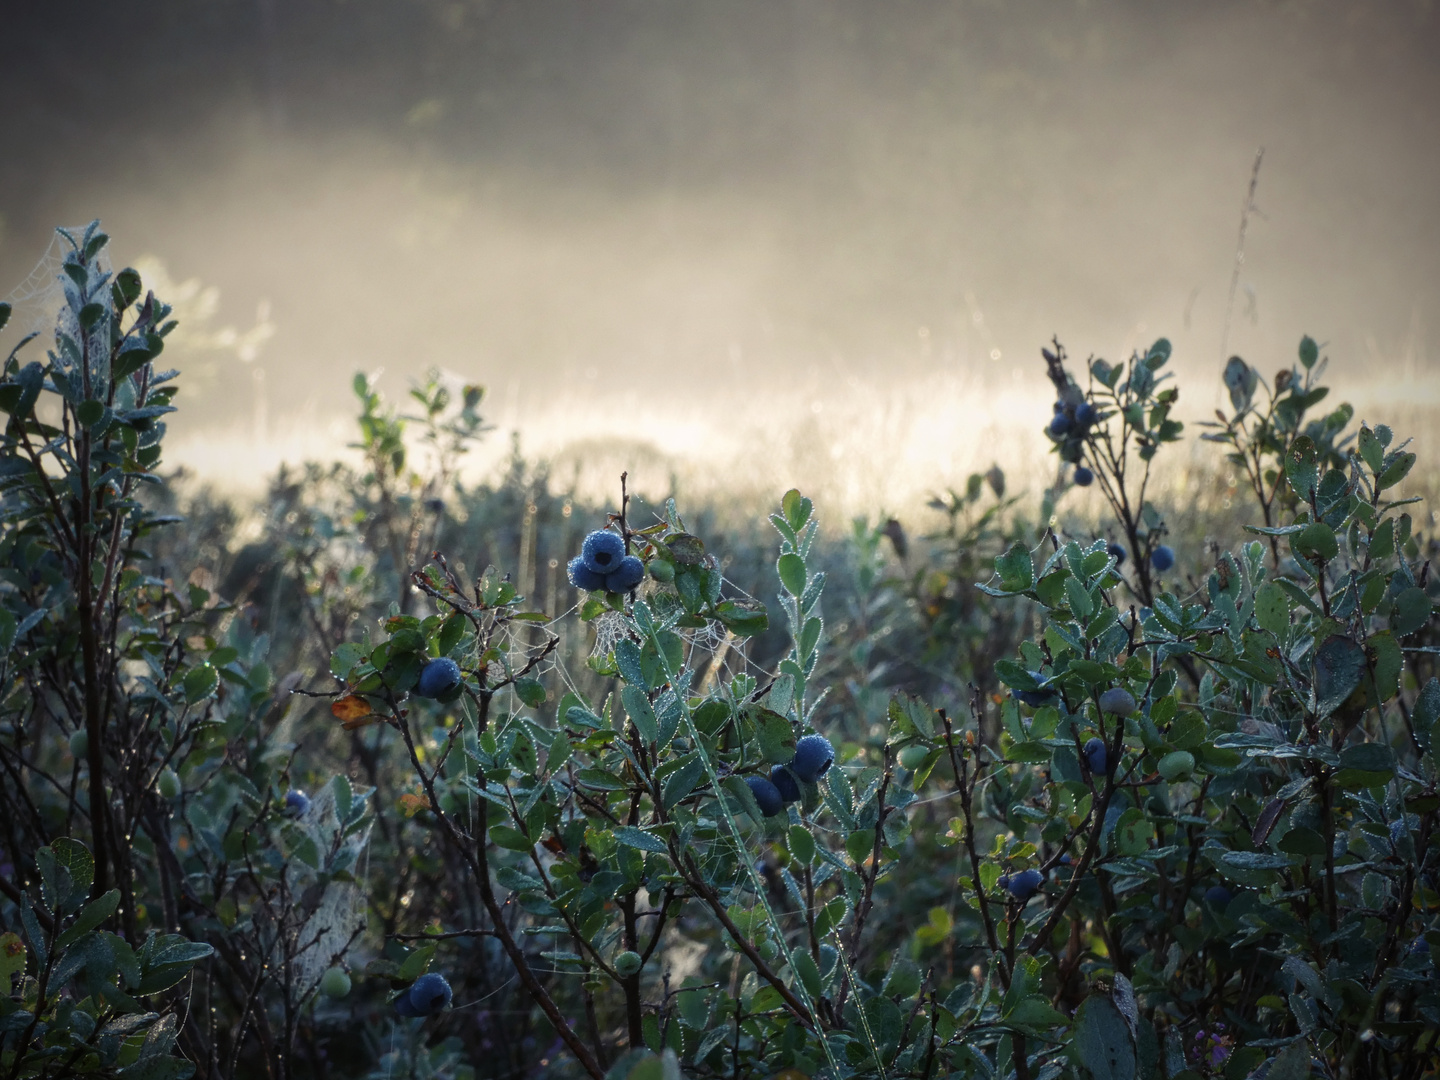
x: 912, y: 757
x: 168, y: 785
x: 627, y: 964
x: 80, y: 743
x: 335, y: 983
x: 1177, y: 765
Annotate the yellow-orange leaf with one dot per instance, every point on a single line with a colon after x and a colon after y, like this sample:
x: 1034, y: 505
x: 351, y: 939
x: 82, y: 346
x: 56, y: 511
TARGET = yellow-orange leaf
x: 410, y: 805
x: 351, y: 708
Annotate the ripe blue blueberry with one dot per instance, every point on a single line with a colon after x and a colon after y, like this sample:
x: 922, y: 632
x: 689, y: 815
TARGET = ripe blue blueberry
x: 1023, y: 885
x: 1097, y: 757
x: 767, y: 795
x: 1034, y: 698
x: 602, y: 551
x: 785, y: 783
x: 1162, y: 558
x: 438, y: 678
x: 1118, y: 701
x: 297, y: 802
x: 813, y: 755
x: 626, y: 576
x: 1118, y: 551
x: 582, y: 577
x: 1059, y: 424
x: 1083, y: 476
x: 1085, y: 415
x: 1059, y: 407
x: 1218, y: 895
x: 427, y: 996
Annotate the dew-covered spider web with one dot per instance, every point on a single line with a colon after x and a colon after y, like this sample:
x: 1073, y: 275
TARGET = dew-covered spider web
x: 340, y: 911
x: 38, y: 302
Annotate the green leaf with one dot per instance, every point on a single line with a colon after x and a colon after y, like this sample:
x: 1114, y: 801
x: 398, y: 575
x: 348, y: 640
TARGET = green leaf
x: 796, y: 509
x: 1401, y: 462
x: 776, y: 736
x: 531, y: 691
x: 1256, y: 860
x: 1015, y: 569
x: 743, y: 618
x: 90, y: 412
x: 1386, y: 663
x: 1292, y: 1063
x: 1317, y: 541
x: 802, y: 844
x: 1272, y: 609
x: 199, y: 683
x: 416, y: 964
x: 91, y: 916
x: 1412, y: 611
x: 1302, y: 468
x: 1339, y: 667
x: 1370, y: 449
x: 1427, y: 711
x: 76, y: 858
x: 510, y: 838
x: 791, y: 568
x: 639, y: 838
x: 641, y: 713
x: 1133, y: 833
x: 1101, y: 1040
x: 1309, y: 352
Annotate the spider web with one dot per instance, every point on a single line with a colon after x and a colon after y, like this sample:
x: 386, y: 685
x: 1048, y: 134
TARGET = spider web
x: 38, y: 302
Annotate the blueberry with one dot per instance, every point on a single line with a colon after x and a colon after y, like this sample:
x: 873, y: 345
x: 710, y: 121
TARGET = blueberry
x: 297, y: 802
x: 1117, y: 550
x: 1097, y: 757
x: 785, y: 783
x: 1083, y: 476
x: 626, y: 576
x: 1023, y: 885
x: 582, y: 577
x: 1059, y: 424
x: 628, y: 963
x: 429, y: 994
x: 438, y: 678
x: 1085, y: 415
x: 767, y: 795
x: 1066, y: 860
x: 1162, y: 558
x: 1118, y: 701
x: 1218, y: 895
x: 602, y: 551
x: 1059, y: 407
x: 813, y: 755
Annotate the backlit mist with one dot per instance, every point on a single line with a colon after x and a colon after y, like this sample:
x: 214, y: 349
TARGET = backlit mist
x: 856, y: 223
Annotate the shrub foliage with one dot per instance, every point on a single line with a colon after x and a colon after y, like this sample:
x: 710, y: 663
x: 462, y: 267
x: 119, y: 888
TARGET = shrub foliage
x: 1124, y: 808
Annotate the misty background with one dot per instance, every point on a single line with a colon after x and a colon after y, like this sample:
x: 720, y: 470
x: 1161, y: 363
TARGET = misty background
x: 738, y: 242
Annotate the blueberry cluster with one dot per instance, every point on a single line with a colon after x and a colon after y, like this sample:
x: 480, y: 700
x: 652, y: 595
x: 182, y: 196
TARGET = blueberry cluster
x: 1069, y: 427
x: 603, y: 566
x: 428, y: 995
x: 813, y: 757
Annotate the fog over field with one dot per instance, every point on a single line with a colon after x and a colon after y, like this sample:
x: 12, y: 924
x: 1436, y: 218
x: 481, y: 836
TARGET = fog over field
x: 746, y: 242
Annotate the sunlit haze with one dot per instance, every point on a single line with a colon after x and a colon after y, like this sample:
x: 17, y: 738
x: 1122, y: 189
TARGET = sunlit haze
x: 741, y: 244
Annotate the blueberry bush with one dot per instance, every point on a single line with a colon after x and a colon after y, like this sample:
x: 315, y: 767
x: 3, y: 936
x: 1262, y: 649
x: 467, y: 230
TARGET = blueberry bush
x: 560, y: 790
